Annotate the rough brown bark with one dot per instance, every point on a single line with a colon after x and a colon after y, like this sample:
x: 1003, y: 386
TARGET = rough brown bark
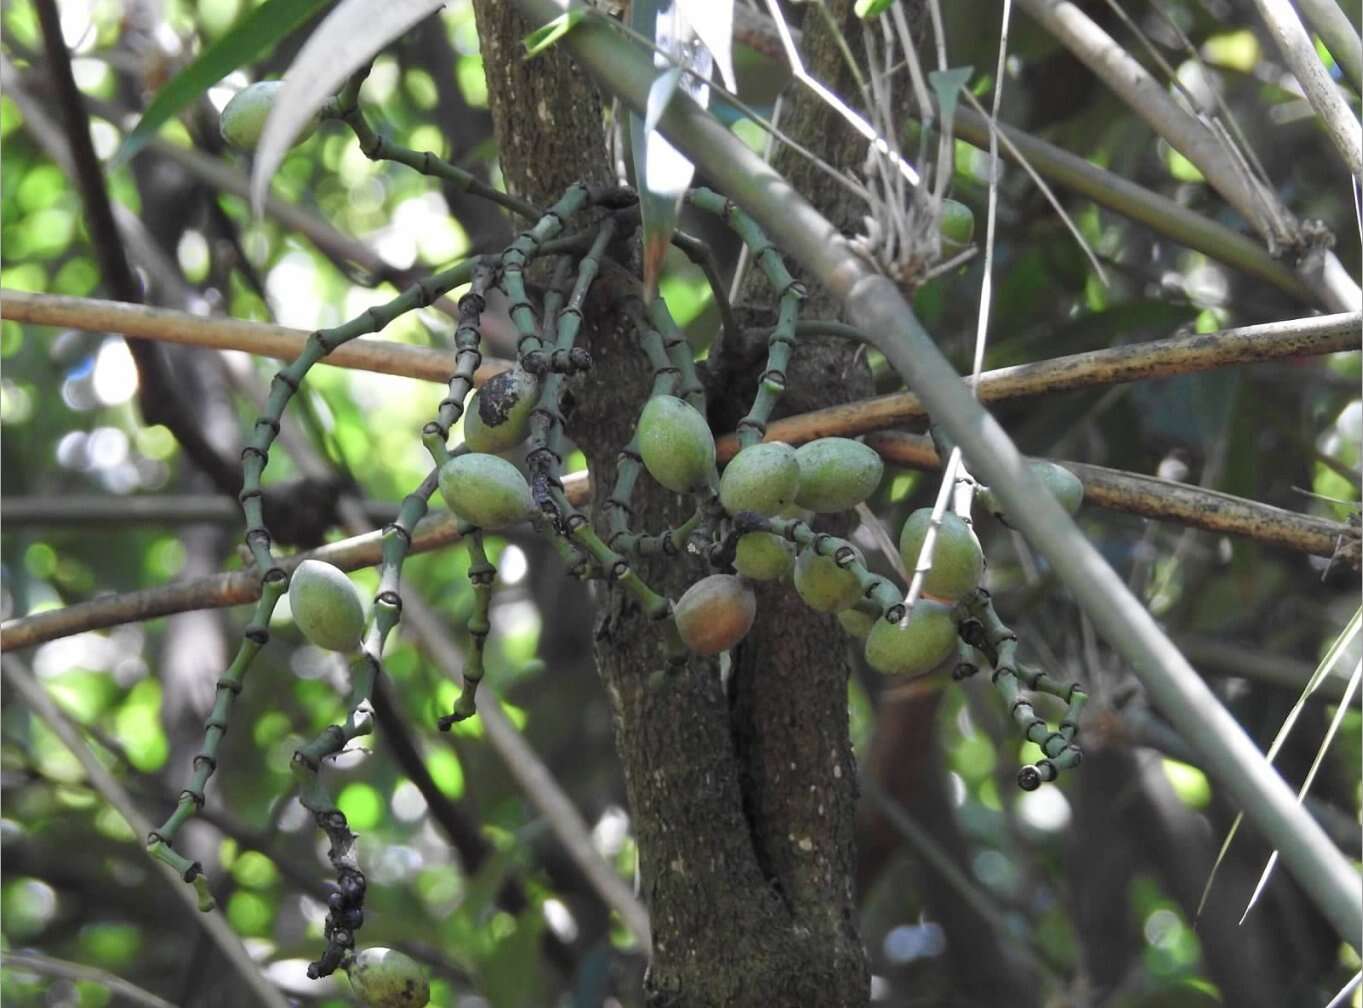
x: 742, y: 793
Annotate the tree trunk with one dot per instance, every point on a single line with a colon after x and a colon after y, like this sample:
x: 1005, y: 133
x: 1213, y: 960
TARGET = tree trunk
x: 742, y: 793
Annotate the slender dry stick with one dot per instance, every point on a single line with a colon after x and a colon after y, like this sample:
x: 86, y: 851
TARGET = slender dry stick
x: 1155, y: 359
x: 259, y: 338
x: 35, y: 962
x: 78, y: 510
x: 118, y: 799
x: 1335, y: 115
x: 1194, y: 140
x: 875, y: 305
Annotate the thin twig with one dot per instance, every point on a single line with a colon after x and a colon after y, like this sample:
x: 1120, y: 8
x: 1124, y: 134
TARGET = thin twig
x: 63, y: 970
x: 1339, y: 121
x: 118, y: 799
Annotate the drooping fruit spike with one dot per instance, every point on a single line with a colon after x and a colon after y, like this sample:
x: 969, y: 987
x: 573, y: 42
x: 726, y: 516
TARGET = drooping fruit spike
x: 486, y: 490
x: 958, y: 222
x: 923, y: 642
x: 836, y: 474
x: 498, y: 416
x: 823, y: 585
x: 326, y: 606
x: 957, y: 561
x: 763, y: 477
x: 857, y: 623
x: 715, y: 613
x: 244, y: 116
x: 763, y: 556
x: 676, y: 444
x: 387, y: 978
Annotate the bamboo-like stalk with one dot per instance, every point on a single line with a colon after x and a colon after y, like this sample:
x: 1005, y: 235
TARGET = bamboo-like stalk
x: 1226, y: 172
x: 1338, y: 35
x: 1151, y: 497
x: 1137, y: 361
x: 875, y: 305
x: 262, y: 338
x: 1335, y: 115
x: 37, y: 700
x: 1158, y: 212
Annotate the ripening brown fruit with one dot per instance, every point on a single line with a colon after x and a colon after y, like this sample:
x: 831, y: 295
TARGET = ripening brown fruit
x: 326, y: 606
x: 715, y: 613
x: 763, y: 556
x: 957, y: 561
x: 486, y: 490
x: 763, y: 478
x: 498, y: 416
x: 822, y: 584
x: 836, y: 474
x: 387, y: 978
x: 922, y: 643
x: 676, y: 444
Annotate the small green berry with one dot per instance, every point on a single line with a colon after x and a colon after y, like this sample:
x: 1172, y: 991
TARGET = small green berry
x: 243, y: 118
x: 326, y: 606
x: 715, y: 613
x: 918, y: 646
x: 957, y: 561
x: 857, y: 623
x: 836, y: 474
x: 1064, y: 486
x: 957, y: 223
x: 498, y: 416
x: 676, y: 444
x: 822, y: 584
x: 387, y: 978
x: 763, y: 478
x: 763, y: 556
x: 486, y: 490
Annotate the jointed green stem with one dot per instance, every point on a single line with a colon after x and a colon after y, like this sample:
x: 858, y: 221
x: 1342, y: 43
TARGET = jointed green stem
x: 468, y: 345
x: 481, y: 575
x: 983, y: 628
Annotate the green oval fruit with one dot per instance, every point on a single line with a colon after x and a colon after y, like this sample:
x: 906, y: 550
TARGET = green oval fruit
x: 857, y: 623
x: 498, y: 416
x: 676, y: 444
x: 486, y: 490
x: 387, y: 978
x: 326, y: 606
x: 762, y: 477
x: 836, y: 474
x: 957, y: 223
x: 957, y: 561
x: 244, y: 116
x: 715, y: 613
x: 763, y: 556
x: 1064, y: 486
x: 823, y: 584
x: 918, y: 646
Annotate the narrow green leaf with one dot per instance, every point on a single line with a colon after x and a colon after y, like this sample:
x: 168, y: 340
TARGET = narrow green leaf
x: 546, y: 35
x: 252, y: 37
x: 871, y: 8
